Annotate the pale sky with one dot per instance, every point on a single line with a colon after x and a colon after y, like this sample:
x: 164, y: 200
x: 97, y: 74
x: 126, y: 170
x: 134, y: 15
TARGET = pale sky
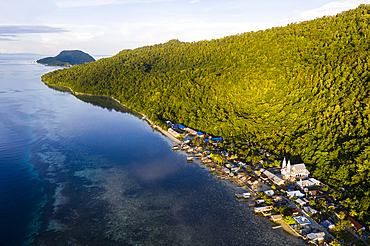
x: 105, y: 27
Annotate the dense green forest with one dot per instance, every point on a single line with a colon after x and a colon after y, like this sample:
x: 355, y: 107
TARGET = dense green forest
x: 300, y: 90
x: 67, y: 58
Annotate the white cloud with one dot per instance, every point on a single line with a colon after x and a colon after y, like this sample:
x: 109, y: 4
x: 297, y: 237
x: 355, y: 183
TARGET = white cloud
x: 76, y: 34
x: 332, y: 8
x: 138, y: 34
x: 195, y: 1
x: 89, y: 3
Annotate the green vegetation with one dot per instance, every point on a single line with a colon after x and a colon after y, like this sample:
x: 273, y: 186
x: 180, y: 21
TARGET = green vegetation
x: 67, y: 58
x: 301, y: 91
x: 289, y: 220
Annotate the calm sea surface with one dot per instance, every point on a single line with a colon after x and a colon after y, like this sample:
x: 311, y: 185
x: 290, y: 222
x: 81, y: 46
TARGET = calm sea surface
x: 74, y: 173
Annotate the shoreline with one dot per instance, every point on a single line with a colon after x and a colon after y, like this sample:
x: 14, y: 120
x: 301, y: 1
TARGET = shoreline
x: 144, y: 117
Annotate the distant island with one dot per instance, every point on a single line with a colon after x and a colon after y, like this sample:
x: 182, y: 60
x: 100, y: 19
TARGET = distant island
x: 67, y: 58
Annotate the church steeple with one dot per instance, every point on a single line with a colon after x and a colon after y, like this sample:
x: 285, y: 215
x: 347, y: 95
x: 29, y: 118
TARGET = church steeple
x: 288, y: 168
x: 284, y: 163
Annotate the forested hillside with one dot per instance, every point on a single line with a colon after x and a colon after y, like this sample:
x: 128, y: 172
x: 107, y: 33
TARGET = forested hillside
x: 302, y: 89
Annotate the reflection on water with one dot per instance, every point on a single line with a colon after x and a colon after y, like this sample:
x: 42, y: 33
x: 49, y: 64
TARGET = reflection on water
x: 100, y: 101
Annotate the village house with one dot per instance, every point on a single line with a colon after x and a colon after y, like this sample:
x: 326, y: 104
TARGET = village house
x: 182, y: 127
x: 252, y: 181
x: 302, y: 221
x: 264, y: 177
x: 310, y: 209
x: 356, y: 224
x: 294, y: 193
x: 302, y: 201
x: 365, y: 234
x: 190, y: 131
x: 274, y: 178
x: 295, y: 212
x: 315, y: 193
x: 307, y: 183
x: 296, y: 171
x: 269, y: 192
x: 328, y: 224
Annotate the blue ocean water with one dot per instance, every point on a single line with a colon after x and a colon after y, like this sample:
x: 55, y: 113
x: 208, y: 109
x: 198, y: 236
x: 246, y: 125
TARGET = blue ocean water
x: 21, y: 191
x: 74, y: 173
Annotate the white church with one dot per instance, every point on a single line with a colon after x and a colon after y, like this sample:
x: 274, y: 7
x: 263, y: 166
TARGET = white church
x: 297, y: 171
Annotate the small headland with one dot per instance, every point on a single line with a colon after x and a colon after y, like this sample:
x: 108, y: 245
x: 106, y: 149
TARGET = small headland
x: 67, y: 58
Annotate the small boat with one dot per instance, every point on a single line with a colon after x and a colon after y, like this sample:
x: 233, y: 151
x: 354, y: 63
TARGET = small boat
x: 238, y: 196
x: 190, y: 158
x: 259, y: 201
x: 176, y: 147
x: 246, y: 195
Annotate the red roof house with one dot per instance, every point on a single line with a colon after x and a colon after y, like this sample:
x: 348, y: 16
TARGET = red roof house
x: 356, y: 224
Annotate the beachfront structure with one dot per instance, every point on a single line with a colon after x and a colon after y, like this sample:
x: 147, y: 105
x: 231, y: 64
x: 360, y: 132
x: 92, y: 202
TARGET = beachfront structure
x: 294, y: 193
x: 226, y: 170
x: 173, y: 132
x: 277, y: 180
x: 289, y: 171
x: 276, y: 217
x: 243, y: 179
x: 308, y: 182
x: 263, y: 209
x: 315, y: 236
x: 200, y: 134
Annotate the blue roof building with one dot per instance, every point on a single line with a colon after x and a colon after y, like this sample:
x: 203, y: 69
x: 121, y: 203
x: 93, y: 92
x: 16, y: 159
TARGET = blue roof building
x: 217, y: 139
x: 181, y: 127
x: 302, y: 220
